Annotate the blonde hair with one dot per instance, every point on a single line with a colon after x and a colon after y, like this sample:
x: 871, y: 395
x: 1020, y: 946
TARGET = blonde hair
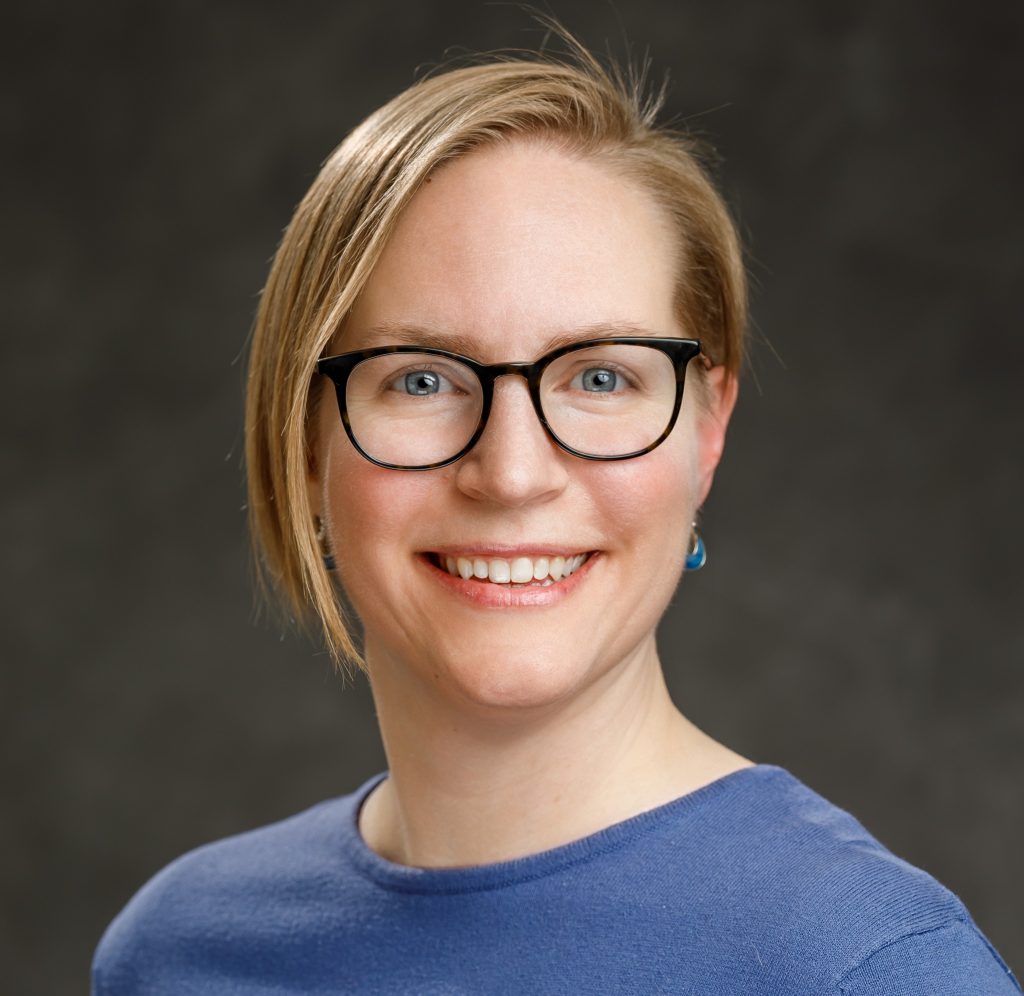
x: 342, y: 224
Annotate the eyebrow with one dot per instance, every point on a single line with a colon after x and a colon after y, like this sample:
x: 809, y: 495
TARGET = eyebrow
x: 394, y: 333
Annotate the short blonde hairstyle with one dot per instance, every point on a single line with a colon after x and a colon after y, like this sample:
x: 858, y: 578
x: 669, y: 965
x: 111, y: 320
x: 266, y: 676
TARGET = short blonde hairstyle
x: 345, y: 219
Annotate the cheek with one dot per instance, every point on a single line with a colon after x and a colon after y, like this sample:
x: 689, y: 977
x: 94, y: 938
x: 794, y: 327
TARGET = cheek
x: 649, y: 502
x: 370, y: 511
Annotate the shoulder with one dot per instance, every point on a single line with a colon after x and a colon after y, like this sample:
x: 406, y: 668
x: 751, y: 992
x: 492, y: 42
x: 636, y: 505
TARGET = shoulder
x: 815, y: 893
x: 225, y: 891
x: 954, y: 958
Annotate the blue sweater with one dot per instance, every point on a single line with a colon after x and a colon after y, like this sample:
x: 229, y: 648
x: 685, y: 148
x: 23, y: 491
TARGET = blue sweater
x: 752, y: 884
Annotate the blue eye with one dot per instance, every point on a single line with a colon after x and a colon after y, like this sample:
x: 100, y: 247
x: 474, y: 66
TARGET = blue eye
x: 422, y: 382
x: 599, y: 379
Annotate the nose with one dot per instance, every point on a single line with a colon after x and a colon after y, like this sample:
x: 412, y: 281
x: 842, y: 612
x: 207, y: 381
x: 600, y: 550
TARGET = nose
x: 515, y: 462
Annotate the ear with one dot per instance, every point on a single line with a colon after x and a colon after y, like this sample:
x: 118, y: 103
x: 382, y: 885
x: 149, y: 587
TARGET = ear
x: 314, y: 485
x: 721, y: 390
x: 313, y: 489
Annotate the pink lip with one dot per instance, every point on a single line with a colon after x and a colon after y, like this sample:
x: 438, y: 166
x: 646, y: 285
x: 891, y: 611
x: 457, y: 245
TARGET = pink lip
x: 496, y: 596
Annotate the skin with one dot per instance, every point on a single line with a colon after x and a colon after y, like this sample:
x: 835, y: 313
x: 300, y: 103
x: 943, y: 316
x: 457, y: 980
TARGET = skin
x: 511, y: 730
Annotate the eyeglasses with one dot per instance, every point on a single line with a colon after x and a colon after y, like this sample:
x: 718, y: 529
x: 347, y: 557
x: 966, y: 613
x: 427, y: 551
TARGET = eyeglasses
x: 417, y: 408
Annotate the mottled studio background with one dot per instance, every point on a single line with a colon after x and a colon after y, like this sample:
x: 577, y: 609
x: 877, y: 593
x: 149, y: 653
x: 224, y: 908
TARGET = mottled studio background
x: 860, y: 619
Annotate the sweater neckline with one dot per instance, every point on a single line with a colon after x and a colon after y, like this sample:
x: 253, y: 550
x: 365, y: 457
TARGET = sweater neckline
x: 474, y: 878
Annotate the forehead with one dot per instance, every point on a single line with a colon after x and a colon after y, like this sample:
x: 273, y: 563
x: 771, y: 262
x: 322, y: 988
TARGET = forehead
x: 515, y: 244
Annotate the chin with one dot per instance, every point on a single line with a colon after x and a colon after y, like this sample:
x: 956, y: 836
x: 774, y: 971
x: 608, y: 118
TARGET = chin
x: 515, y: 682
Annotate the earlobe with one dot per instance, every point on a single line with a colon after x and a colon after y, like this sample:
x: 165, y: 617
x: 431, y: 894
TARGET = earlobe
x: 313, y: 494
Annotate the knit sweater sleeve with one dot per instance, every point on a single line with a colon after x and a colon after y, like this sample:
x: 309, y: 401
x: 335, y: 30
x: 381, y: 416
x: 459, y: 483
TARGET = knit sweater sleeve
x: 954, y: 959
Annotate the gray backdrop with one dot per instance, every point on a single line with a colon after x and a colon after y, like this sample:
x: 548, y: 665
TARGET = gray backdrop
x: 859, y: 621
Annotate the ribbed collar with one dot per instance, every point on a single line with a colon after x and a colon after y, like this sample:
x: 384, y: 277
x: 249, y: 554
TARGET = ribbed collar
x: 475, y: 878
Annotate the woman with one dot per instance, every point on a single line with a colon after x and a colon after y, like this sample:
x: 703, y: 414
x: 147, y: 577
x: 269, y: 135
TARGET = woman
x: 490, y: 383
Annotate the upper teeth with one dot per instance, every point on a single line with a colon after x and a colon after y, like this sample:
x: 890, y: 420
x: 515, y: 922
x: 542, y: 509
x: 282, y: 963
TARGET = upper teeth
x: 520, y: 570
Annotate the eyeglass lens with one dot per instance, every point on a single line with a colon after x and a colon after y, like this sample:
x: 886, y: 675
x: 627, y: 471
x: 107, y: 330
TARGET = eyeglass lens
x: 411, y: 409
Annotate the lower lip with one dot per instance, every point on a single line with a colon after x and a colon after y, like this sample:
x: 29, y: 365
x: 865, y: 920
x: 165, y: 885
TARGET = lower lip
x: 498, y: 596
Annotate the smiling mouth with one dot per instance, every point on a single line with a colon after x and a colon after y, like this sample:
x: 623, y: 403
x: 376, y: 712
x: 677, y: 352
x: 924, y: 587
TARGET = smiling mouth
x: 515, y: 572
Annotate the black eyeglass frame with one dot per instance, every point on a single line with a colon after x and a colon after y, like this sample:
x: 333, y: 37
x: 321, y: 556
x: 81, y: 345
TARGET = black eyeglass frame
x: 680, y: 351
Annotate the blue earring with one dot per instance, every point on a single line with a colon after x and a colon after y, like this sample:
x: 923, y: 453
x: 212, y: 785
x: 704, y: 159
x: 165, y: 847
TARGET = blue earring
x: 698, y: 555
x: 321, y: 538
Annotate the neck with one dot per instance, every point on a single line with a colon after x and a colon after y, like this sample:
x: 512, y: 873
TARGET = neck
x: 469, y: 788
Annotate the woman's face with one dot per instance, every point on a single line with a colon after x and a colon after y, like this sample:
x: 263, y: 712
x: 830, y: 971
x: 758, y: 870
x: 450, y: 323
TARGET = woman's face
x: 505, y: 249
